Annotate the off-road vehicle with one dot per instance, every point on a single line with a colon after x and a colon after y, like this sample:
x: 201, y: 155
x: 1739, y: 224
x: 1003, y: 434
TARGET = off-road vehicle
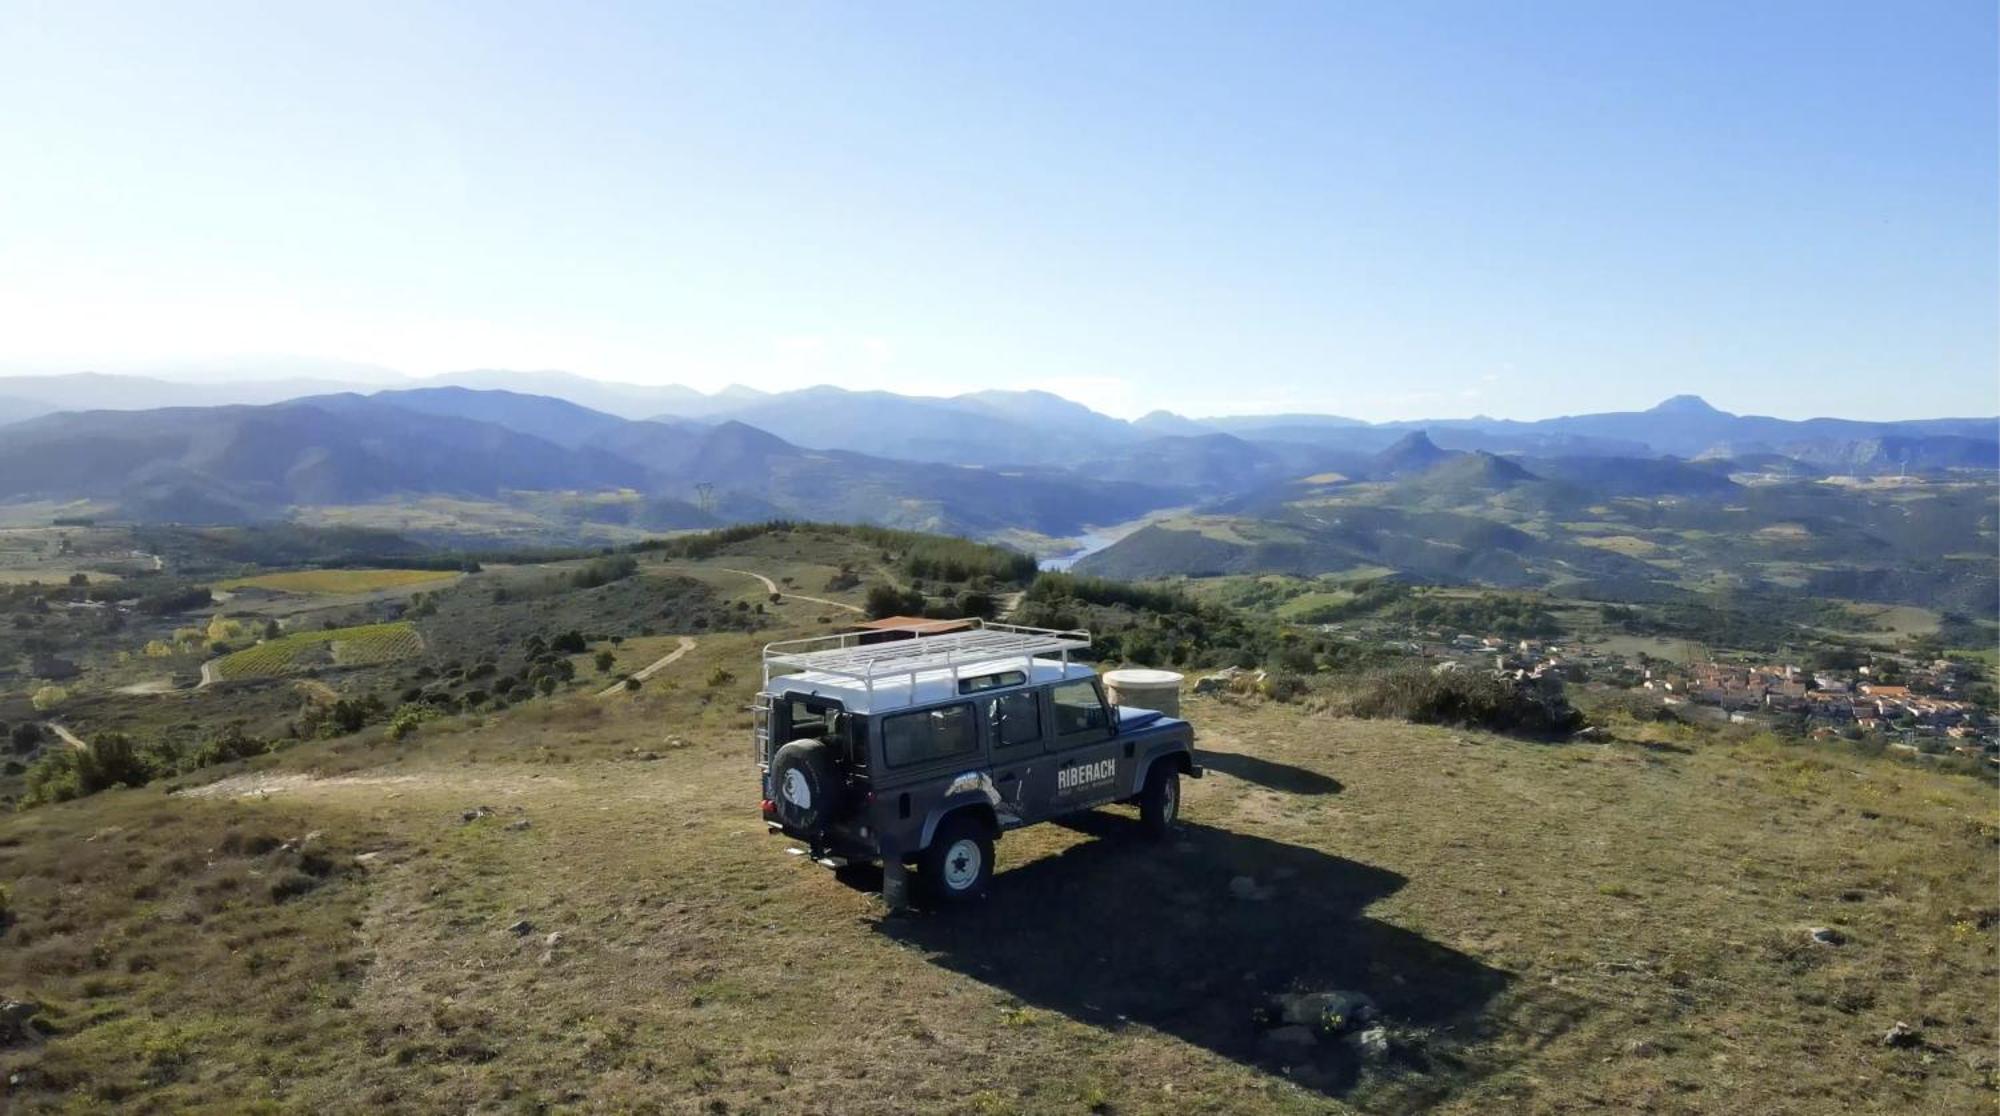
x: 922, y: 751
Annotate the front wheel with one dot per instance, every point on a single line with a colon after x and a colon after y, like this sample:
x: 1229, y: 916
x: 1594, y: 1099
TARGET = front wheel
x: 958, y: 865
x: 1160, y: 802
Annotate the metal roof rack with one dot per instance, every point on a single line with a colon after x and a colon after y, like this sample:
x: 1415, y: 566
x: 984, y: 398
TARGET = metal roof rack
x: 846, y: 656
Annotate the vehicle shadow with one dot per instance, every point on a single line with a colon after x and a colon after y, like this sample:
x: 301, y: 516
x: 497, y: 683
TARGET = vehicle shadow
x: 1269, y: 774
x: 1119, y: 931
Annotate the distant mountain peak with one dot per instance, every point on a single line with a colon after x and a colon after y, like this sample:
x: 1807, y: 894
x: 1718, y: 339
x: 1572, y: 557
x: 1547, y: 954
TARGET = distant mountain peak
x: 1412, y: 453
x: 1685, y: 405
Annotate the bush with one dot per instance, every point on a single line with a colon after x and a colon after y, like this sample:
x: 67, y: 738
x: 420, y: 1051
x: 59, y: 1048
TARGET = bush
x: 604, y: 571
x: 25, y: 736
x: 887, y: 600
x: 231, y: 744
x: 408, y: 717
x: 1281, y: 685
x: 112, y: 760
x: 719, y: 677
x: 605, y: 660
x: 1465, y: 697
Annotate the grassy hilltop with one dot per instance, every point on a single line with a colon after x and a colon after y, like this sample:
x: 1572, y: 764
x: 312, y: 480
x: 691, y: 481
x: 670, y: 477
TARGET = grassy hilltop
x: 569, y: 902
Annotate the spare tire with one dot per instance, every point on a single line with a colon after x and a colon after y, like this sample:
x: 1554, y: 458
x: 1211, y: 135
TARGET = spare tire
x: 805, y: 788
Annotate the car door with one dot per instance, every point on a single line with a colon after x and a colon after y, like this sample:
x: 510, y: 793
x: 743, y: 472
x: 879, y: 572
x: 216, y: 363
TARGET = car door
x: 1081, y: 753
x: 1015, y: 730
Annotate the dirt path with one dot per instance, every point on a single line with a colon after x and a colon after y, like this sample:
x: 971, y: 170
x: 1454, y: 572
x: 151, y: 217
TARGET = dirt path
x: 772, y: 587
x: 151, y: 686
x: 207, y: 673
x: 68, y: 737
x: 654, y: 667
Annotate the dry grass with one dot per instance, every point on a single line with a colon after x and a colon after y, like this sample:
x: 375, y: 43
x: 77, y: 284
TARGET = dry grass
x: 1553, y: 928
x: 322, y: 582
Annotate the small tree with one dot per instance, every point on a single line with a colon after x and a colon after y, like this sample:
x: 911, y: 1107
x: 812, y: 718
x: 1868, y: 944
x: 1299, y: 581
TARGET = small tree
x: 605, y: 660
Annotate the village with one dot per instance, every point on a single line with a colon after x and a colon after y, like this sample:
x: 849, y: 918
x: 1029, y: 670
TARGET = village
x: 1919, y: 708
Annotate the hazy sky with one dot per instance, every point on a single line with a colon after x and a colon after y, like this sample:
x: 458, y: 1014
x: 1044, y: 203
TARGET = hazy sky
x: 1385, y: 209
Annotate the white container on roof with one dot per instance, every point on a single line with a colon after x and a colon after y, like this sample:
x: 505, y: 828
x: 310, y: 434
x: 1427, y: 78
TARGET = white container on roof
x: 872, y: 677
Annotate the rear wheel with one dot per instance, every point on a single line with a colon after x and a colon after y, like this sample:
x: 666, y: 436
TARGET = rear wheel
x: 958, y: 865
x: 1160, y: 802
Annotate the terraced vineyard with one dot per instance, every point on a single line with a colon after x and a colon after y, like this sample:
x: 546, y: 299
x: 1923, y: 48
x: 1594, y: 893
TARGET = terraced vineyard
x: 357, y: 646
x: 319, y: 582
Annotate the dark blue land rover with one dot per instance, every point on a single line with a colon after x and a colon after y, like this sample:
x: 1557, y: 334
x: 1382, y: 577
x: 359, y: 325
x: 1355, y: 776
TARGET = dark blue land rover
x: 922, y: 751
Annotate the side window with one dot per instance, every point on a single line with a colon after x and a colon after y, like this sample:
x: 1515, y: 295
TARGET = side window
x: 1016, y: 719
x: 1078, y: 708
x: 926, y: 735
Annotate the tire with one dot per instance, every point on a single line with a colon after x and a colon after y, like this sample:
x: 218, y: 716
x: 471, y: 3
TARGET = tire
x: 957, y: 868
x: 805, y: 788
x: 1160, y: 802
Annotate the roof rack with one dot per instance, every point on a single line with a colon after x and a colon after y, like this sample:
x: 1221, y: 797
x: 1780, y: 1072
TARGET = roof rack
x: 846, y: 656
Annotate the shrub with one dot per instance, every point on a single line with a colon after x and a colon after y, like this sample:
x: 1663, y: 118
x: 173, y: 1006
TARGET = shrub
x: 1465, y: 697
x: 719, y: 677
x: 65, y: 773
x: 231, y: 744
x: 604, y: 571
x: 1281, y: 685
x: 408, y: 717
x: 25, y: 736
x: 48, y: 697
x: 604, y: 661
x: 887, y: 600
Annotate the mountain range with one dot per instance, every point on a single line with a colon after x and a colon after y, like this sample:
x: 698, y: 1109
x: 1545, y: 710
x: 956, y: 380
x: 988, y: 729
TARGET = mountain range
x: 991, y: 464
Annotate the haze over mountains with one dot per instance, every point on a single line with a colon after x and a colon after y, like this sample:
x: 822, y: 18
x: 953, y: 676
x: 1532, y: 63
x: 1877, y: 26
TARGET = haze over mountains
x: 990, y: 463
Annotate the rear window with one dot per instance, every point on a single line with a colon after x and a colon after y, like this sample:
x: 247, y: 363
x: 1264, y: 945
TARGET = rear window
x: 927, y: 735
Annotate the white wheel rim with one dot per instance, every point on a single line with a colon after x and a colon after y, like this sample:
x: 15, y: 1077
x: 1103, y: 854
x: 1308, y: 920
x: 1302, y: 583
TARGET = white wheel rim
x: 1170, y: 802
x: 797, y: 791
x: 962, y: 862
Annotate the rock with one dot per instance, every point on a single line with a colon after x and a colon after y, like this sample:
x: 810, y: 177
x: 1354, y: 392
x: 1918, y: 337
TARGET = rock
x: 1592, y: 732
x: 554, y: 939
x: 521, y: 929
x: 517, y: 825
x: 1827, y: 935
x: 1372, y: 1044
x: 1329, y: 1013
x: 368, y: 857
x: 475, y: 814
x: 1902, y: 1036
x: 1642, y: 1048
x: 1249, y: 890
x: 17, y: 1021
x: 1292, y: 1037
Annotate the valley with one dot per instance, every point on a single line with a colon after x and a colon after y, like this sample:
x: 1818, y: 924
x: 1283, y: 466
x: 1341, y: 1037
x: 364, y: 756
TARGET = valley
x: 488, y: 871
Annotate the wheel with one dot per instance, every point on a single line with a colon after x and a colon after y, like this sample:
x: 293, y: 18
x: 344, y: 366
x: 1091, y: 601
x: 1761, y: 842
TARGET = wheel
x: 958, y: 865
x: 1160, y: 802
x: 805, y: 790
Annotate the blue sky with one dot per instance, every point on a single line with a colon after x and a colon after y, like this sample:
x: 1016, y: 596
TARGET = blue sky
x: 1388, y: 210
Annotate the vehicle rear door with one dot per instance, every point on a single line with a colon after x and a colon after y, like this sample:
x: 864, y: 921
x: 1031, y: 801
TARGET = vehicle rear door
x: 1081, y: 756
x: 1015, y: 730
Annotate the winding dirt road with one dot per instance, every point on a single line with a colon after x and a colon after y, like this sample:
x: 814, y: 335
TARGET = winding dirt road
x: 772, y: 587
x: 652, y: 668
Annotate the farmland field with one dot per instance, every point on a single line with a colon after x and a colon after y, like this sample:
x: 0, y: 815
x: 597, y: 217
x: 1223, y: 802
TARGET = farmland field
x: 357, y: 646
x: 338, y: 581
